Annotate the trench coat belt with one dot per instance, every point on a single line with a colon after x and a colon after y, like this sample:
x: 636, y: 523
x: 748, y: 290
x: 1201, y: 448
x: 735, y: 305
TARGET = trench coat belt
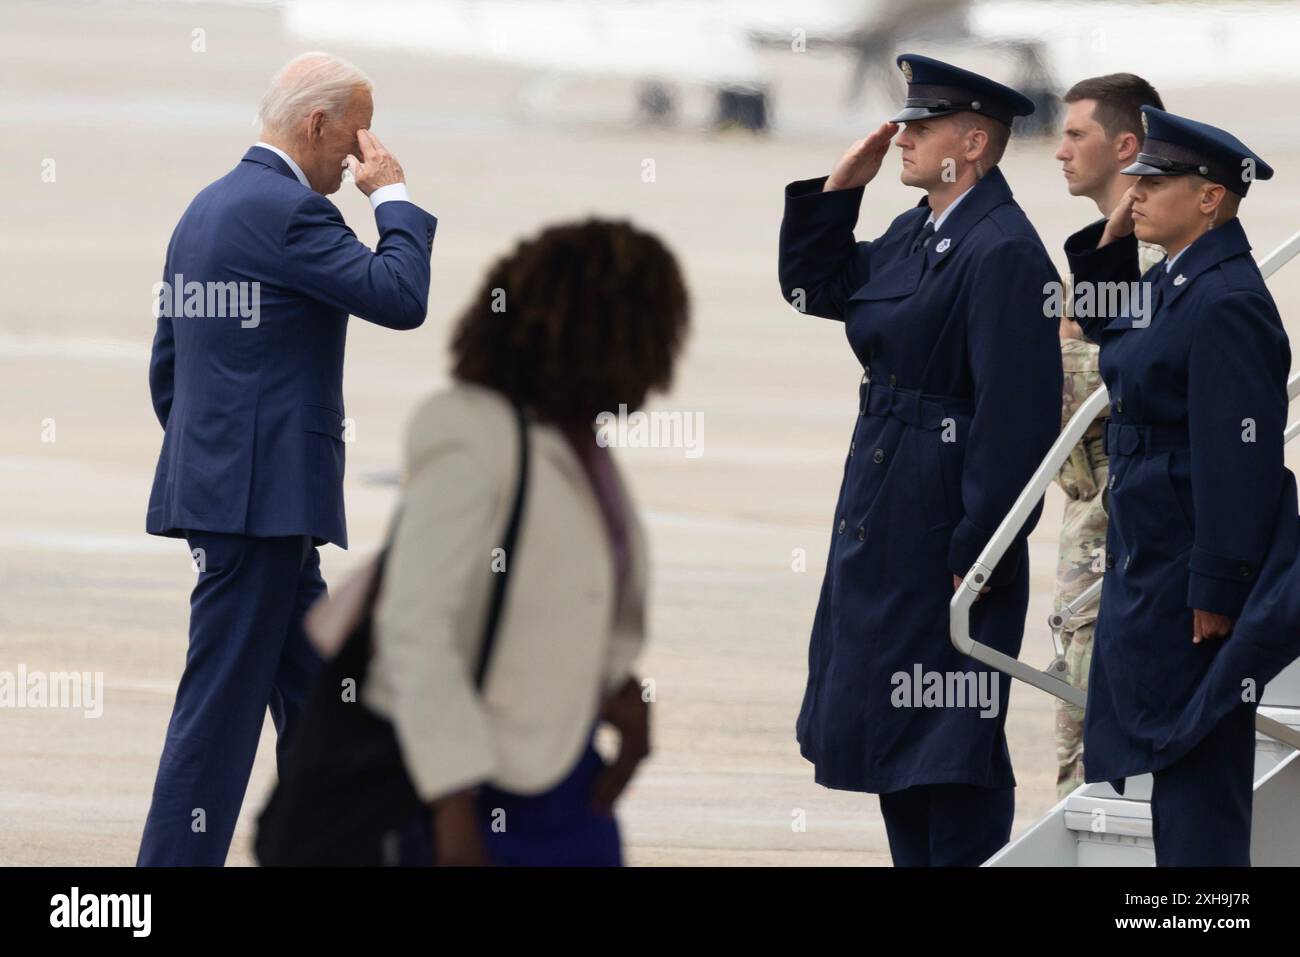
x: 912, y: 406
x: 1129, y: 438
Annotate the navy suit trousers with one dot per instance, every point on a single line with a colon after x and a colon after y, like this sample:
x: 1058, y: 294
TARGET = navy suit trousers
x: 247, y: 652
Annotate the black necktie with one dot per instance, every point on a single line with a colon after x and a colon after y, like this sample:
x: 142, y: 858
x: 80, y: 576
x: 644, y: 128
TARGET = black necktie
x: 923, y: 240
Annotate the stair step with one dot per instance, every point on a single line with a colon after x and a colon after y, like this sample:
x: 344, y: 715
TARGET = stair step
x: 1092, y: 815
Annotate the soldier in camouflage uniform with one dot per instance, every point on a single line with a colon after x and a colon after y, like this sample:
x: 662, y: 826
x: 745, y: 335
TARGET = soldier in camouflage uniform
x: 1082, y: 556
x: 1103, y: 133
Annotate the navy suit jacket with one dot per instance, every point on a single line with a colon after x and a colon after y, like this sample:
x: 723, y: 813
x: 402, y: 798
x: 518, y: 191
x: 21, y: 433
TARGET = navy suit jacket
x: 252, y: 406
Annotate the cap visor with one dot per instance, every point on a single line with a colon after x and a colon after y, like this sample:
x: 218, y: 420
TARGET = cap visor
x: 909, y: 114
x: 1142, y: 169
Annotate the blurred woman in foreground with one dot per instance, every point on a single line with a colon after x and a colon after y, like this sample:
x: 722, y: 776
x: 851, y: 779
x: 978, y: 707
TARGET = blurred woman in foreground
x: 572, y: 323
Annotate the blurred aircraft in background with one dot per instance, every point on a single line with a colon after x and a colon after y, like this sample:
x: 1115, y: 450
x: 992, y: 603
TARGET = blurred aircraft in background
x: 666, y: 46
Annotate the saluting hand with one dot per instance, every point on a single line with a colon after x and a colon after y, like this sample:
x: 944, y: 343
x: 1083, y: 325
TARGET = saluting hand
x: 1208, y: 624
x: 1120, y: 223
x: 377, y: 167
x: 861, y: 163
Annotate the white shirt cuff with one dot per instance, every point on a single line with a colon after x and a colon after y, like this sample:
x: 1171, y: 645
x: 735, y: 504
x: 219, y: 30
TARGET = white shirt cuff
x: 389, y: 192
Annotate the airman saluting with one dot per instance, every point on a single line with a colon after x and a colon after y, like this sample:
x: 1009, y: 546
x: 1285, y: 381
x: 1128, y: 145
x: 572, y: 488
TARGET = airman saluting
x: 959, y: 401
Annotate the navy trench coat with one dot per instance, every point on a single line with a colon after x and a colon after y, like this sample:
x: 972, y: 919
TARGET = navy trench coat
x: 959, y: 401
x: 1202, y: 508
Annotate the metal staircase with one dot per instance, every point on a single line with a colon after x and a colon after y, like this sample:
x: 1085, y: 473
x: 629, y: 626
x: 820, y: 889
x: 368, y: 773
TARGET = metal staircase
x: 1094, y: 826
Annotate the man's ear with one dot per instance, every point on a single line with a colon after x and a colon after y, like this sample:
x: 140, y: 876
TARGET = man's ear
x: 1126, y: 148
x: 315, y: 124
x: 1212, y: 197
x: 977, y: 144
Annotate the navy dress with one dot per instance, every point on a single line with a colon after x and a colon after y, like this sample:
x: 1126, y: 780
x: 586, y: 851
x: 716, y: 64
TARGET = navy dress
x: 557, y: 828
x: 958, y: 403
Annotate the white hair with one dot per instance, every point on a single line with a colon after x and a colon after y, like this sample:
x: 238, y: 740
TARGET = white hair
x: 309, y: 82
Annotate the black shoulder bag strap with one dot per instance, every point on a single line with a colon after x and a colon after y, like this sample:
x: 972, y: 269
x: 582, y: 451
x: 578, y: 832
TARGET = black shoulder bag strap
x: 500, y: 579
x: 498, y: 596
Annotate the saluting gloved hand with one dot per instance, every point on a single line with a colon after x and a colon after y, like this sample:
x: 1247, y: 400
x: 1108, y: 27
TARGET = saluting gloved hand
x: 861, y: 163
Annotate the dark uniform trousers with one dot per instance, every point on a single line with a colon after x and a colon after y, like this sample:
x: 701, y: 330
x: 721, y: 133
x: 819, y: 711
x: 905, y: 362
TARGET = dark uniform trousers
x: 247, y: 651
x: 947, y: 825
x: 1201, y: 804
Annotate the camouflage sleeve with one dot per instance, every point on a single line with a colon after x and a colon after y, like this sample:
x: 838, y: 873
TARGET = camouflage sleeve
x: 1082, y: 553
x: 1079, y: 359
x: 1082, y: 550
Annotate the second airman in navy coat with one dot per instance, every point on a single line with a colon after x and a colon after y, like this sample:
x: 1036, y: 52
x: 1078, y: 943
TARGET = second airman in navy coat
x: 1202, y: 509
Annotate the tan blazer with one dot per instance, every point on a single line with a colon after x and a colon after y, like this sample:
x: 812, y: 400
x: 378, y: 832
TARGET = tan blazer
x: 563, y: 642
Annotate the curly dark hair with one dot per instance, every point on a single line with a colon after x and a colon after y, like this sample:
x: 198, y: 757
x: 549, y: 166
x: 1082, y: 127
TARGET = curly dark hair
x: 576, y: 320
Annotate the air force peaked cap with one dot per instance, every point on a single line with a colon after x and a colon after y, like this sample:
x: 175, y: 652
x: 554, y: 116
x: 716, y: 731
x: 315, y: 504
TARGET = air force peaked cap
x: 935, y: 88
x: 1175, y: 146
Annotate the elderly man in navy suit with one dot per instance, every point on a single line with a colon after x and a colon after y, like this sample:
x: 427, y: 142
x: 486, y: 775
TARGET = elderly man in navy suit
x: 247, y: 381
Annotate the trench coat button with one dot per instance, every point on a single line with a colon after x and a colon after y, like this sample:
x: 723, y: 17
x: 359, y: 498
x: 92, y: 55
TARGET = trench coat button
x: 878, y: 456
x: 841, y: 526
x: 864, y: 378
x: 1119, y: 405
x: 852, y: 446
x: 893, y: 379
x: 1127, y: 559
x: 862, y: 534
x: 1243, y: 570
x: 1111, y: 482
x: 1110, y: 561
